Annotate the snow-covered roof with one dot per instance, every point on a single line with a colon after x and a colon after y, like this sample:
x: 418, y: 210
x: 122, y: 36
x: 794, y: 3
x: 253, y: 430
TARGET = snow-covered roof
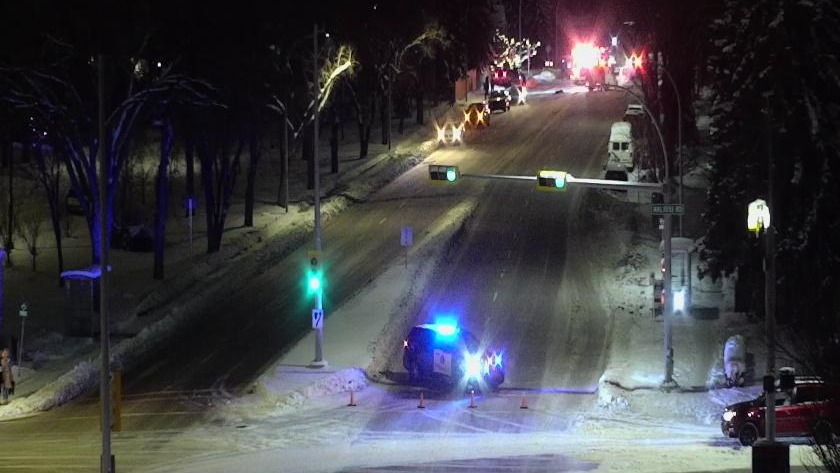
x: 90, y: 273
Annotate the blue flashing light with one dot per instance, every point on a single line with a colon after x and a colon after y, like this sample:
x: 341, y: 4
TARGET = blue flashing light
x: 445, y: 329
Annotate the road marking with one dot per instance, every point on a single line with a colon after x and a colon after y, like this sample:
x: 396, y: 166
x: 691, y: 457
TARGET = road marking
x: 508, y: 254
x: 403, y: 204
x: 502, y: 275
x: 495, y: 295
x: 383, y: 220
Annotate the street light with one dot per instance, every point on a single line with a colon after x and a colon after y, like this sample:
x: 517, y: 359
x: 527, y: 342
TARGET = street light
x: 668, y: 382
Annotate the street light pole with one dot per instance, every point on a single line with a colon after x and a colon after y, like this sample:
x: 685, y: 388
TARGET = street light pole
x: 770, y: 289
x: 105, y: 465
x: 679, y: 139
x: 668, y: 382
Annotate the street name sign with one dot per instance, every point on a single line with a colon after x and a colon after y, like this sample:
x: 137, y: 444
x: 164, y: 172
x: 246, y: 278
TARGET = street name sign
x: 668, y: 209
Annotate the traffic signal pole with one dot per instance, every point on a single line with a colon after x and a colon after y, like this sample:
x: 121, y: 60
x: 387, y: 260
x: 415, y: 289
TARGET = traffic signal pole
x: 319, y: 303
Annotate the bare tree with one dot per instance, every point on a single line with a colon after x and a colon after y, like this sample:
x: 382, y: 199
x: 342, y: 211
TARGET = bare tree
x: 29, y: 221
x: 48, y: 167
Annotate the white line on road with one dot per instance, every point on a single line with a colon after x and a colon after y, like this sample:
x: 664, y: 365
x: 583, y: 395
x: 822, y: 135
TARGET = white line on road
x: 495, y: 295
x: 383, y: 220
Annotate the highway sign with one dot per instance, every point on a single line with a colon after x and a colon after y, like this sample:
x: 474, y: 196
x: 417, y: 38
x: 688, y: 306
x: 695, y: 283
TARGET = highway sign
x: 667, y: 209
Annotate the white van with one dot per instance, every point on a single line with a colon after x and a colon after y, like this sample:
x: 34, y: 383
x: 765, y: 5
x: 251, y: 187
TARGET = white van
x: 620, y: 150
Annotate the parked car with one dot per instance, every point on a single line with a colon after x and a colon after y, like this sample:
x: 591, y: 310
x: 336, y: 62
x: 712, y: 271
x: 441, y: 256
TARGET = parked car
x: 448, y: 353
x: 621, y: 152
x: 499, y: 100
x: 634, y: 109
x: 810, y: 409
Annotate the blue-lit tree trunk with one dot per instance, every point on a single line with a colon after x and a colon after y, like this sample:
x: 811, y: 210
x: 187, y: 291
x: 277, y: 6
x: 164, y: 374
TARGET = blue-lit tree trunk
x: 167, y: 140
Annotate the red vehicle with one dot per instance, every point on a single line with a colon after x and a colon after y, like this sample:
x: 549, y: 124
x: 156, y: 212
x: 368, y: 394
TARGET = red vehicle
x: 810, y: 409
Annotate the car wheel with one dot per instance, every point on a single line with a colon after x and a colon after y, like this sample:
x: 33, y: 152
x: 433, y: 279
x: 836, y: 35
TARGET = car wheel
x: 823, y: 433
x: 748, y: 434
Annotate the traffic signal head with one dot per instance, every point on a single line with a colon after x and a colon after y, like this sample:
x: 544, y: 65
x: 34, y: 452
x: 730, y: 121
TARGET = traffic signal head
x: 444, y: 173
x: 551, y: 180
x: 314, y: 278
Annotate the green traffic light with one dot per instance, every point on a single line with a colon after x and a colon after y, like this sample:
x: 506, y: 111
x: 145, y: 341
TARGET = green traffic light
x: 451, y: 174
x: 314, y: 282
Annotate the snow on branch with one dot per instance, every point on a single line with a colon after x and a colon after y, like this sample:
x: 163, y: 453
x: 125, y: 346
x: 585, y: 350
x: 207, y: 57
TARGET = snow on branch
x: 514, y: 52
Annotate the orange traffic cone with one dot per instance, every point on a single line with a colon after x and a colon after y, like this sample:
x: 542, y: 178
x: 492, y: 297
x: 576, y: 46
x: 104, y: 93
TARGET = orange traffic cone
x: 524, y: 404
x: 352, y: 400
x: 422, y: 404
x: 472, y: 399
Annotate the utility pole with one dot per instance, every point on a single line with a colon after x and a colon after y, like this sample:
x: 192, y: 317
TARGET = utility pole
x: 106, y: 460
x: 319, y: 304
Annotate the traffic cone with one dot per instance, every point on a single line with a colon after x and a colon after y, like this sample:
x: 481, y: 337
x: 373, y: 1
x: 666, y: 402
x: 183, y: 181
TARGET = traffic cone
x: 422, y: 404
x: 472, y: 399
x: 352, y: 400
x: 524, y: 404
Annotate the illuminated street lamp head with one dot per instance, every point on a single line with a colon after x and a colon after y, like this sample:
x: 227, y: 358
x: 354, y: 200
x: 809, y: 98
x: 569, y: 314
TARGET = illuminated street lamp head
x: 758, y: 216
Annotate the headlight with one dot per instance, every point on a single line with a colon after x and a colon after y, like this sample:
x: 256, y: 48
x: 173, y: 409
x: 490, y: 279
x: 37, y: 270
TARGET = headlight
x: 472, y: 368
x: 728, y: 415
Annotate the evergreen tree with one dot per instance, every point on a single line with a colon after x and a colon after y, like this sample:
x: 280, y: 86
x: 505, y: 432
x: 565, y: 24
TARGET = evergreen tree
x: 775, y: 72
